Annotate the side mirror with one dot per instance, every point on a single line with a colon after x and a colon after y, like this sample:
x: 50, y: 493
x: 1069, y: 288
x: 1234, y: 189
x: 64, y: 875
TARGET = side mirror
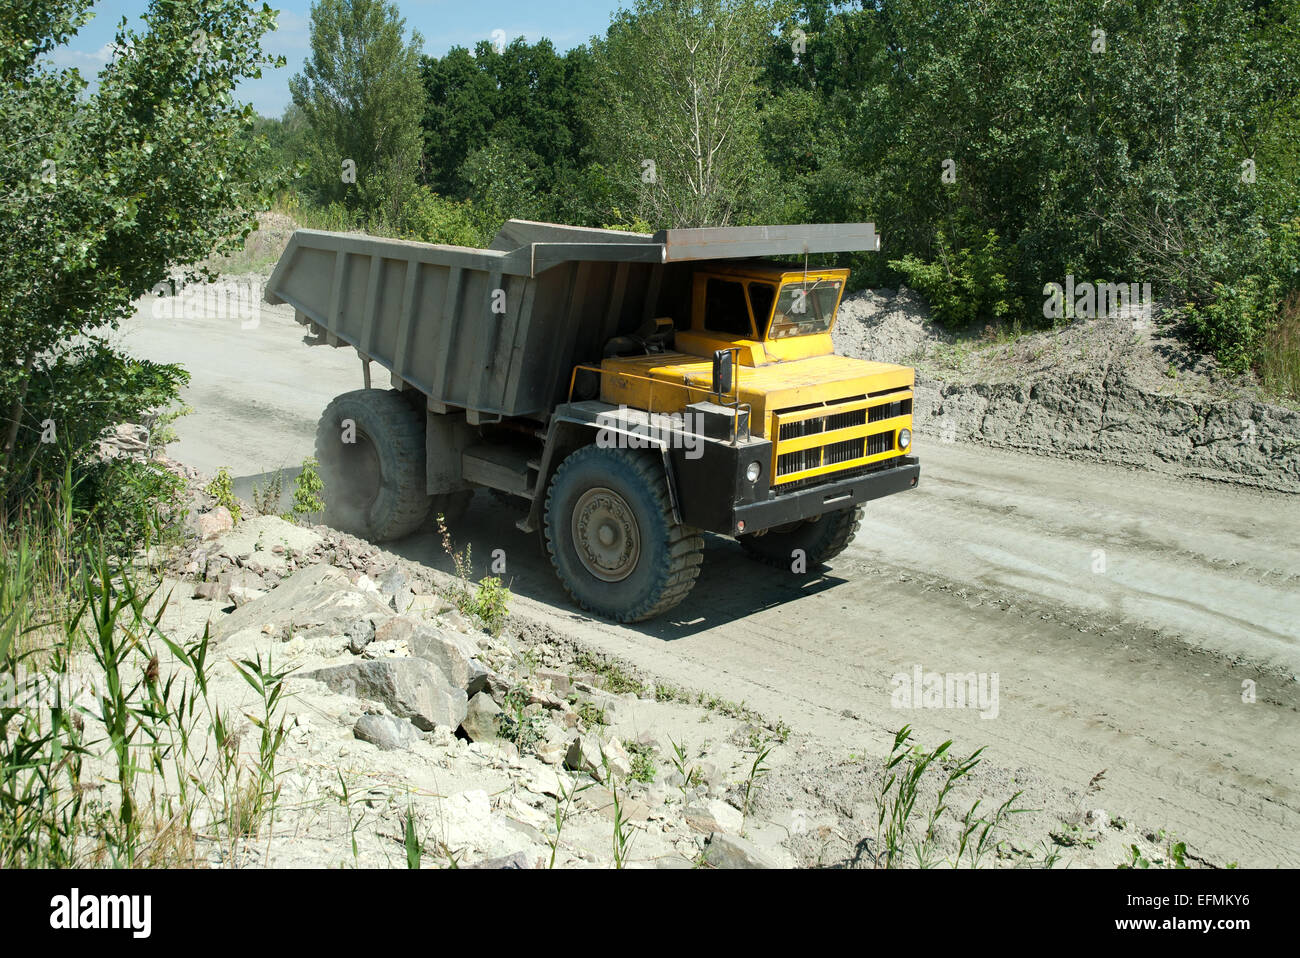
x: 722, y: 371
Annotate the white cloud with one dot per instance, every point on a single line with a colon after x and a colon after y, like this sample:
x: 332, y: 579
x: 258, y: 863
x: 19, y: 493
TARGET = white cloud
x: 292, y: 32
x: 64, y: 57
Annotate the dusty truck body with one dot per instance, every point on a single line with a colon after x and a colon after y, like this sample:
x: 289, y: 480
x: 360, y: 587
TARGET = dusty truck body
x: 630, y: 391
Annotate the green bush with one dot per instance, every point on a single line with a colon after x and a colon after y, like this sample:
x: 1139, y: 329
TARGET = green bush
x: 129, y: 502
x: 964, y: 285
x: 222, y: 489
x: 1237, y: 319
x: 1279, y: 362
x: 74, y: 398
x: 307, y: 489
x: 428, y: 217
x: 490, y: 603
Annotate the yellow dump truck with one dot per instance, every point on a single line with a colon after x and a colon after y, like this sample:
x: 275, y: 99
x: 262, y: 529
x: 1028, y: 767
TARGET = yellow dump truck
x: 630, y: 391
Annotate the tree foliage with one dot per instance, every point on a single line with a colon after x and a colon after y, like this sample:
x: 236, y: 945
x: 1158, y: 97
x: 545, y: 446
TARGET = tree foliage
x: 102, y: 193
x: 1145, y: 142
x: 677, y: 124
x: 362, y: 101
x: 523, y: 99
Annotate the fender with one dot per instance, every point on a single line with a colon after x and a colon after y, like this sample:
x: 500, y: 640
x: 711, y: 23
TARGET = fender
x: 575, y: 425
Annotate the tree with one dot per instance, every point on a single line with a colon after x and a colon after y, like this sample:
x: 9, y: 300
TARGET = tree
x: 102, y: 194
x: 361, y: 95
x: 506, y: 127
x: 1109, y: 141
x: 675, y: 107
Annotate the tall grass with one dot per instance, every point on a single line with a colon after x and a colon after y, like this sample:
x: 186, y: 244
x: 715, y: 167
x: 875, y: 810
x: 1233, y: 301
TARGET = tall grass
x: 108, y: 757
x: 1280, y: 355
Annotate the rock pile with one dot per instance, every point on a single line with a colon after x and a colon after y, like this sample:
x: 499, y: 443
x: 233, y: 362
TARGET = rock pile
x: 484, y: 736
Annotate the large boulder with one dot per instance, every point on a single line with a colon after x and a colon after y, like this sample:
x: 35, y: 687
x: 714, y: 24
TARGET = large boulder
x: 386, y: 732
x: 472, y: 830
x: 411, y: 688
x: 213, y: 523
x: 315, y: 601
x: 714, y: 815
x: 587, y: 754
x: 454, y: 654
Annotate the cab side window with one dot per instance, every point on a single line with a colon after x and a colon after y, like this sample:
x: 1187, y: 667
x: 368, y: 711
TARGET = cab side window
x: 761, y: 297
x: 725, y: 309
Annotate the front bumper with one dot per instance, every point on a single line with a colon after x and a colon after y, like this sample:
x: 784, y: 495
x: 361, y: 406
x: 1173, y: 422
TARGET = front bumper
x: 826, y: 497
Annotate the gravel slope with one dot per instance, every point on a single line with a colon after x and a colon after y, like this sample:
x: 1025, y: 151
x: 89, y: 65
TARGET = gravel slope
x: 1117, y: 390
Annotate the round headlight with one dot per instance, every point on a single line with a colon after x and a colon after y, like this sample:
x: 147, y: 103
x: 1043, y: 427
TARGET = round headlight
x: 904, y: 438
x: 753, y: 471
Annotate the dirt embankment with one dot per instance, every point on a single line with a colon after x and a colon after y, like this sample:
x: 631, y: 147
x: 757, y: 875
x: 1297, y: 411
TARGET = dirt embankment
x: 1120, y: 390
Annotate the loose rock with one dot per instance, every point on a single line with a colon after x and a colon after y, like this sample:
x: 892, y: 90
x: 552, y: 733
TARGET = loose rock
x: 410, y: 688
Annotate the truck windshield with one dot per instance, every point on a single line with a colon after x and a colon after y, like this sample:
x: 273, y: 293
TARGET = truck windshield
x: 805, y: 307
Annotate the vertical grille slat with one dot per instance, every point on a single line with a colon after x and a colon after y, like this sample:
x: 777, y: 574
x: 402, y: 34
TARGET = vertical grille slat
x: 880, y: 442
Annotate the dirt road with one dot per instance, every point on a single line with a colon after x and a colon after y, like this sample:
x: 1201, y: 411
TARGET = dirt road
x: 1138, y: 624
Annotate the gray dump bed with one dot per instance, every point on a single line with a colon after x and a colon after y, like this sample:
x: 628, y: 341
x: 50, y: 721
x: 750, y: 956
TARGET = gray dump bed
x: 497, y: 331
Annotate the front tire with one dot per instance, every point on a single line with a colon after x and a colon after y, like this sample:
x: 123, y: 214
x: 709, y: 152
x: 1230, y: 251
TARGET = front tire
x: 820, y: 539
x: 370, y: 446
x: 611, y: 535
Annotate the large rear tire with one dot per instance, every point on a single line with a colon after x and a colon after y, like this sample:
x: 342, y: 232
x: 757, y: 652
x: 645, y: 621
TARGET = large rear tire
x: 611, y: 535
x: 370, y: 446
x: 820, y: 539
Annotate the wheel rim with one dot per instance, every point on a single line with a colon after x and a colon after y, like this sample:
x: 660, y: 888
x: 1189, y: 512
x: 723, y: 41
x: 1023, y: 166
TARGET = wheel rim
x: 605, y: 534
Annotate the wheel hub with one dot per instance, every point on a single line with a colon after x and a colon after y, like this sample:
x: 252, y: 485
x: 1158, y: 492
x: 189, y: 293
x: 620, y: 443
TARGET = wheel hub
x: 605, y: 534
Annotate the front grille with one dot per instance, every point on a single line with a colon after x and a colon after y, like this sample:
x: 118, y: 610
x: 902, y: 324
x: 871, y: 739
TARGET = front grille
x: 851, y: 473
x: 819, y: 424
x: 847, y: 452
x: 797, y: 461
x: 803, y: 427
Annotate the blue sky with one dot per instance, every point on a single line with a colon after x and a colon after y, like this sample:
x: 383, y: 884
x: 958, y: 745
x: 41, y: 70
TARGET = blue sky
x: 443, y: 24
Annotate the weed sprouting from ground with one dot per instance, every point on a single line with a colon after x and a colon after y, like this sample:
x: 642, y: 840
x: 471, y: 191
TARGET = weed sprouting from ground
x: 643, y: 765
x: 308, y: 489
x: 516, y: 725
x: 689, y: 774
x: 757, y: 771
x: 488, y: 600
x: 266, y: 501
x: 563, y: 806
x: 411, y: 842
x: 897, y: 803
x: 1175, y: 855
x: 144, y: 715
x: 624, y: 831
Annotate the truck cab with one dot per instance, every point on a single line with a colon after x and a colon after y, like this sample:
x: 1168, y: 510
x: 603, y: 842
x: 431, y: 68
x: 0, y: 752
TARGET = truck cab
x: 826, y: 416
